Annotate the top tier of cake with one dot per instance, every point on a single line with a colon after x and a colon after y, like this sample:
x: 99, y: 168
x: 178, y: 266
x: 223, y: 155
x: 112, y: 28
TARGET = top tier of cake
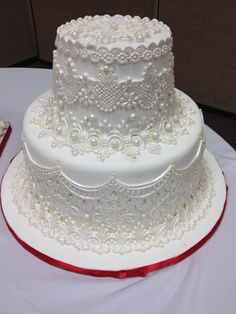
x: 113, y: 87
x: 112, y: 32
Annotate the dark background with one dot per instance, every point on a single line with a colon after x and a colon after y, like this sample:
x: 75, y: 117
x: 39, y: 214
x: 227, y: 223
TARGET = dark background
x: 204, y: 44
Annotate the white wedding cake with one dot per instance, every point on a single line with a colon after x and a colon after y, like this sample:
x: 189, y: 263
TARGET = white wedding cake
x: 113, y: 153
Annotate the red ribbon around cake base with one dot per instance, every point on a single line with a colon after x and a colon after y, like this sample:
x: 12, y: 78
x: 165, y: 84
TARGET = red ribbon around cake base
x: 120, y: 274
x: 5, y: 139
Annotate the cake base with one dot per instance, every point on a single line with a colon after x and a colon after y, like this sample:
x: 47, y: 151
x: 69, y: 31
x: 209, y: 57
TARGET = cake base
x: 4, y: 138
x: 111, y: 264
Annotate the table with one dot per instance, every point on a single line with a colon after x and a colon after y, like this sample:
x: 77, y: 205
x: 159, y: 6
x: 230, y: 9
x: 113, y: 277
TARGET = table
x: 203, y: 283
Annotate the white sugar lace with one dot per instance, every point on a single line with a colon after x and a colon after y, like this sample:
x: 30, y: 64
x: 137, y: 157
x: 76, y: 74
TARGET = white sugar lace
x: 122, y: 30
x: 107, y: 93
x: 103, y: 139
x: 113, y: 217
x: 116, y: 55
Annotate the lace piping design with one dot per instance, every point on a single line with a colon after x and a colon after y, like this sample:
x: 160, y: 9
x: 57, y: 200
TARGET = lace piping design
x: 107, y: 93
x: 130, y: 137
x: 113, y: 217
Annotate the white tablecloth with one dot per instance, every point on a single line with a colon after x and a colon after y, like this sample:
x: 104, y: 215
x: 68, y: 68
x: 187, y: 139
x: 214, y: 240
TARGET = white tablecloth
x: 203, y: 283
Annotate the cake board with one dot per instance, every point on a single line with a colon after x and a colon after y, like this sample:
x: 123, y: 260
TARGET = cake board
x: 111, y: 264
x: 4, y: 139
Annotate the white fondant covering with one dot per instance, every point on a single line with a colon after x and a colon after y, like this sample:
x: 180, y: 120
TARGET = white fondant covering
x: 113, y: 31
x: 89, y: 170
x: 113, y: 68
x: 113, y: 153
x: 112, y: 261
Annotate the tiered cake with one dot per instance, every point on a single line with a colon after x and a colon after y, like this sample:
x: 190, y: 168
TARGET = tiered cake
x: 113, y: 153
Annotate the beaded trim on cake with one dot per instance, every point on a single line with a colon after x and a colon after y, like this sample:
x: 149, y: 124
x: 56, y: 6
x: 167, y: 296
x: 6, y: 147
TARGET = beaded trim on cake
x: 130, y: 136
x: 114, y: 217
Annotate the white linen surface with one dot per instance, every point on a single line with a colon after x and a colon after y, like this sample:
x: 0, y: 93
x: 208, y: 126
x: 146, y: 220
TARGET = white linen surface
x: 203, y: 283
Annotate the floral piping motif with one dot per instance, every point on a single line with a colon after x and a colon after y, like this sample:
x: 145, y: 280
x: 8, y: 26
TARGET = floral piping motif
x: 113, y: 217
x: 107, y: 93
x: 130, y: 136
x: 116, y: 55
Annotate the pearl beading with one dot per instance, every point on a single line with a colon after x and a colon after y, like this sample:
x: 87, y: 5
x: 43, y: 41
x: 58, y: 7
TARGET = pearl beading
x: 114, y: 217
x: 130, y: 136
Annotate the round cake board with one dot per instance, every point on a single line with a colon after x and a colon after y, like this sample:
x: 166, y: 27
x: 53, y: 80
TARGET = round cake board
x: 112, y: 264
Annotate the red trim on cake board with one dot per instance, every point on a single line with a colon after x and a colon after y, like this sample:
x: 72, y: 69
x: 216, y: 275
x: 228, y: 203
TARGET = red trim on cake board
x: 120, y: 274
x: 5, y: 139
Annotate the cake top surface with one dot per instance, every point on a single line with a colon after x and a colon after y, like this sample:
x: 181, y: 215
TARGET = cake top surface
x: 114, y: 31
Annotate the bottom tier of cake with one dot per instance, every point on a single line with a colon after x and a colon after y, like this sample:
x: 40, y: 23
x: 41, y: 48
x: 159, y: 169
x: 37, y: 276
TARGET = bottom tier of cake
x: 114, y: 217
x: 133, y: 263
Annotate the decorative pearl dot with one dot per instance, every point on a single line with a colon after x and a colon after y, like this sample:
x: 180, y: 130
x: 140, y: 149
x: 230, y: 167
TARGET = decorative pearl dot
x: 139, y: 38
x: 92, y: 117
x: 161, y: 106
x: 136, y: 140
x: 168, y: 127
x: 74, y: 136
x: 155, y: 135
x: 59, y: 129
x: 175, y: 118
x: 115, y: 143
x: 49, y: 120
x: 94, y: 141
x: 132, y: 116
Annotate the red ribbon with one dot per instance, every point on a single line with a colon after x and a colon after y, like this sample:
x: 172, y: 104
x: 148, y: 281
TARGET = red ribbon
x: 5, y: 139
x: 136, y: 272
